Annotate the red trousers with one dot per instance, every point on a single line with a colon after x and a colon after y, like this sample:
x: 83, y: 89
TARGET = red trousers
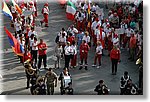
x: 45, y: 19
x: 74, y: 60
x: 97, y: 56
x: 83, y: 56
x: 94, y: 39
x: 79, y: 25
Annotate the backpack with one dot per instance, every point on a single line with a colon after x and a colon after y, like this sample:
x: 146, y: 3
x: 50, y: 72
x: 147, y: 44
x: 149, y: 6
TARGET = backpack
x: 57, y: 39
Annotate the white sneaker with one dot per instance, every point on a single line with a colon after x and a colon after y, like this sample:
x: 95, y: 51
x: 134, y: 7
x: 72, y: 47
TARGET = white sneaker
x: 93, y: 65
x: 98, y: 67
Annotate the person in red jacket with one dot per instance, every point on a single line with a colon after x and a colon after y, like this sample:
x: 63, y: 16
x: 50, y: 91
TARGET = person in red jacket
x: 115, y: 58
x: 27, y: 56
x: 84, y: 48
x: 70, y: 38
x: 132, y: 46
x: 42, y: 47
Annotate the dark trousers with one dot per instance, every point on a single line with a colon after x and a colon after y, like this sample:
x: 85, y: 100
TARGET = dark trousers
x: 132, y: 52
x: 50, y: 89
x: 32, y: 89
x: 67, y: 60
x: 28, y: 79
x: 44, y: 58
x: 114, y: 65
x: 85, y: 60
x: 122, y: 90
x: 34, y: 56
x: 81, y: 66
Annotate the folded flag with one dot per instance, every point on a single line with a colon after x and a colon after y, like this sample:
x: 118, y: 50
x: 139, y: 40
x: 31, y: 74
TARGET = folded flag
x: 6, y: 10
x: 16, y: 46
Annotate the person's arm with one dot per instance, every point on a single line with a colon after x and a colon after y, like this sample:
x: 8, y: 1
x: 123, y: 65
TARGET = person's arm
x: 45, y: 48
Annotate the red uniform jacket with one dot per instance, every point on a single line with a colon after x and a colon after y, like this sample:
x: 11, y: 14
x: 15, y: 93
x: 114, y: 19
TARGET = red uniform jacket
x: 41, y: 46
x: 70, y: 39
x: 115, y: 54
x: 27, y: 56
x: 84, y: 48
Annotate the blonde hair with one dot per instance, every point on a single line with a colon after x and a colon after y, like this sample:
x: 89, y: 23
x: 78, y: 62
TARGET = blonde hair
x: 99, y: 43
x: 86, y: 32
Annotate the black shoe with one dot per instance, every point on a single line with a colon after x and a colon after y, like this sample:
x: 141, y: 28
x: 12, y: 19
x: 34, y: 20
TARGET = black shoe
x: 46, y: 26
x: 129, y: 58
x: 86, y: 69
x: 80, y: 68
x: 27, y: 87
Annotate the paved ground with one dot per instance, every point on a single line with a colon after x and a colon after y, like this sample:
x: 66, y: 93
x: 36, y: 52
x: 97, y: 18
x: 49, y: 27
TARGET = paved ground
x: 84, y: 82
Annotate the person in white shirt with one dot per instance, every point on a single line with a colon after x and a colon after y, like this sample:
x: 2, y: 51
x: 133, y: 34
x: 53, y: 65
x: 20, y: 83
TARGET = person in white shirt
x: 68, y: 54
x: 116, y: 40
x: 18, y: 25
x: 58, y: 53
x: 128, y: 33
x: 97, y: 34
x: 62, y: 39
x: 34, y: 52
x: 73, y: 30
x: 32, y: 31
x: 98, y: 54
x: 14, y: 12
x: 107, y: 30
x: 80, y: 20
x: 32, y: 16
x: 106, y: 24
x: 86, y: 37
x: 62, y: 31
x: 31, y: 41
x: 74, y: 59
x: 95, y: 24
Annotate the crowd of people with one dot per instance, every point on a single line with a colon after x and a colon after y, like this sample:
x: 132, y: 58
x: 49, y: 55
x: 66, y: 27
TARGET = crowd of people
x: 121, y: 29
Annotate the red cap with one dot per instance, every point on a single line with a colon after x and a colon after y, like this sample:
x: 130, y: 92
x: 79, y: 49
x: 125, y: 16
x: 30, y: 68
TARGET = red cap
x: 46, y: 4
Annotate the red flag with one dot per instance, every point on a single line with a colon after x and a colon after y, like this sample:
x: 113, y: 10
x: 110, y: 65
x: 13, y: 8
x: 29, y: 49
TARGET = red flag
x: 16, y: 46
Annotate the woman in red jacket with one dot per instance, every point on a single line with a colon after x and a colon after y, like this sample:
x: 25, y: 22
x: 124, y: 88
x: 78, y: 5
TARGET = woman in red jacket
x: 84, y: 49
x: 115, y: 58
